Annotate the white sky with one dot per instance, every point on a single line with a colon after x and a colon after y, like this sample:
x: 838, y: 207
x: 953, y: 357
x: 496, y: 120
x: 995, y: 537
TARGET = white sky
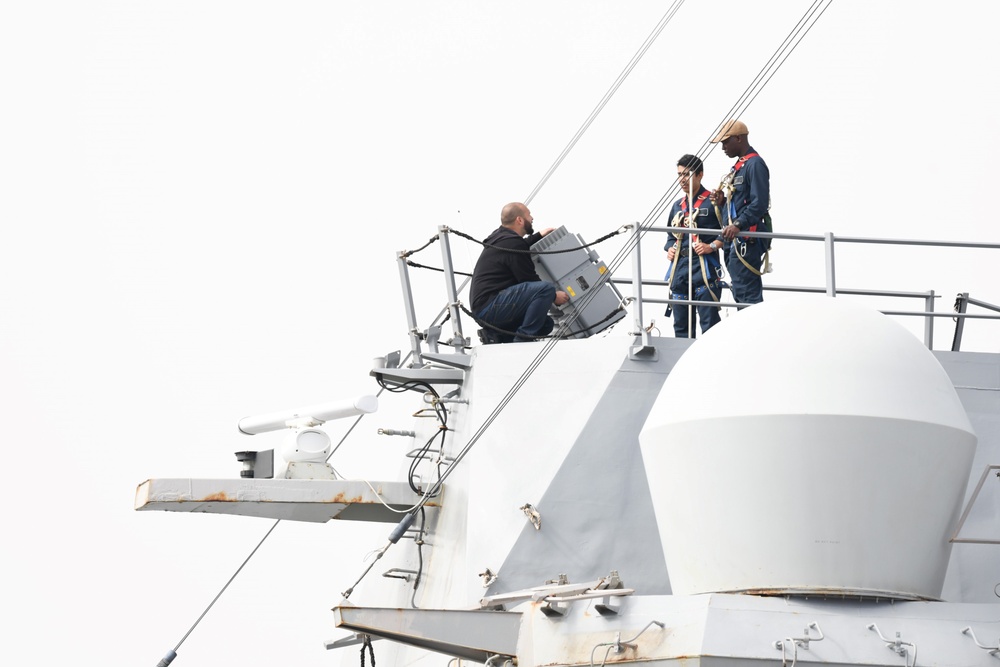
x: 202, y: 201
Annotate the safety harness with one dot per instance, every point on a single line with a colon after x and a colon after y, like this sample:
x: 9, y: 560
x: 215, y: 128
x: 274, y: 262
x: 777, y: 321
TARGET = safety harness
x: 728, y: 187
x: 682, y: 219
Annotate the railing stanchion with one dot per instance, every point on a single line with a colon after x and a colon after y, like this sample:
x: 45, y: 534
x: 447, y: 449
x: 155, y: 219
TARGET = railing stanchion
x: 831, y: 276
x: 458, y: 339
x: 929, y: 321
x: 640, y: 330
x: 411, y: 313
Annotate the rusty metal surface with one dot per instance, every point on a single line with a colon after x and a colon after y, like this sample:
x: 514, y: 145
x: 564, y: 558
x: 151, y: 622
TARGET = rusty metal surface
x: 470, y: 635
x: 288, y: 499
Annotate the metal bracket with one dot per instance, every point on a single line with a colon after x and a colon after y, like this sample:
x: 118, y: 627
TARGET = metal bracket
x: 533, y: 516
x: 432, y: 337
x: 993, y: 650
x: 554, y: 609
x: 897, y: 645
x: 795, y: 643
x: 643, y: 349
x: 619, y: 645
x: 430, y: 375
x: 558, y: 592
x: 608, y: 606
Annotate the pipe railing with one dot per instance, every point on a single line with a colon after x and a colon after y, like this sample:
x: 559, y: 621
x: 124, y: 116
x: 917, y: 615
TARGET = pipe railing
x: 637, y: 283
x: 830, y: 288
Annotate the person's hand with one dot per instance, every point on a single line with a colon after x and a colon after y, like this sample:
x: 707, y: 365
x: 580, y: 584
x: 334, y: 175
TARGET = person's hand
x: 561, y: 297
x: 671, y: 251
x: 546, y: 232
x: 718, y: 197
x: 703, y: 248
x: 730, y: 232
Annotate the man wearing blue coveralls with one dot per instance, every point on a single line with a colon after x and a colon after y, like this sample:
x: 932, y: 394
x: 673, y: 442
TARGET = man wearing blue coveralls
x: 748, y: 186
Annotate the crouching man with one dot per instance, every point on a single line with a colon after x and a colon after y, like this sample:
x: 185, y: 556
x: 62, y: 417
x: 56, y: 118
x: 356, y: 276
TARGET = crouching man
x: 506, y: 291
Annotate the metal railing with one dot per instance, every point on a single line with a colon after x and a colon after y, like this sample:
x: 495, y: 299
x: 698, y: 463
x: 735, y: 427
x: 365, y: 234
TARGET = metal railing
x: 452, y: 310
x: 830, y: 288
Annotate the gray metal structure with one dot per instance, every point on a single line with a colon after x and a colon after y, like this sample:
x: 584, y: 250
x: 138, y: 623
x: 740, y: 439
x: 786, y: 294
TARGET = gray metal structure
x: 543, y: 548
x: 595, y: 304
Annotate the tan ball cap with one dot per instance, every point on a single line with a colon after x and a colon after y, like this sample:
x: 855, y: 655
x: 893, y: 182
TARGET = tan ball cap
x: 733, y: 128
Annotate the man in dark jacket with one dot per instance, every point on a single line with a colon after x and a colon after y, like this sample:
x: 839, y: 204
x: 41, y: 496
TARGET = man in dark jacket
x: 748, y: 186
x: 506, y: 291
x: 695, y: 271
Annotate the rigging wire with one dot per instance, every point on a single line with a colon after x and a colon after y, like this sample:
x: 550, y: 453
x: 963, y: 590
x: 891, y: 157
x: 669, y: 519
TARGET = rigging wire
x: 749, y: 94
x: 562, y: 156
x: 169, y: 657
x: 608, y: 95
x: 742, y: 104
x: 806, y: 23
x: 772, y: 66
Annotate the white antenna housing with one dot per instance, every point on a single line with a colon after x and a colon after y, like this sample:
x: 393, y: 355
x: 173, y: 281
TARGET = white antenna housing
x: 808, y: 445
x: 312, y: 415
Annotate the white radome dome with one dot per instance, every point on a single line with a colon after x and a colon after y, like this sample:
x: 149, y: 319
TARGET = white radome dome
x: 808, y: 445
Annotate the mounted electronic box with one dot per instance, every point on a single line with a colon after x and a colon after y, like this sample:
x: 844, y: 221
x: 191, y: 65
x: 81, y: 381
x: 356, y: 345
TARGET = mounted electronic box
x: 594, y: 302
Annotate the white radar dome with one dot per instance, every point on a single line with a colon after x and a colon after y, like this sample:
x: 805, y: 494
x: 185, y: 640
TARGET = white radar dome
x: 808, y: 445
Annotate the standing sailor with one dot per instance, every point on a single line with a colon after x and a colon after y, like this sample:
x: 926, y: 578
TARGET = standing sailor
x: 743, y: 198
x: 695, y: 272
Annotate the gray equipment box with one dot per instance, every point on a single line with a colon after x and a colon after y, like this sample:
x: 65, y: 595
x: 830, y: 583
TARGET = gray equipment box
x: 580, y: 273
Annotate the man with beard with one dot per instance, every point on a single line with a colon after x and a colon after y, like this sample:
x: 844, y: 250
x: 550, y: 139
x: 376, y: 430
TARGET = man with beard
x: 506, y: 291
x: 743, y: 201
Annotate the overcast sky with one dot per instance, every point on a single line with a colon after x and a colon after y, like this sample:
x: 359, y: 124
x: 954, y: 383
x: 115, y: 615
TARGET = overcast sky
x: 202, y: 203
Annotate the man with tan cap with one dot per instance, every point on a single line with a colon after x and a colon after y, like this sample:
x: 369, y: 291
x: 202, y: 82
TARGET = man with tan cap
x: 743, y: 200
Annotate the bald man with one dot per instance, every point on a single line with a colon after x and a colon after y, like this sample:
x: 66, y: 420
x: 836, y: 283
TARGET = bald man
x: 506, y: 291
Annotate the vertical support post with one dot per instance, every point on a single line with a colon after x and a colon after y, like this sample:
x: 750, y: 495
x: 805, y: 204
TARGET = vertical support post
x: 831, y: 274
x: 961, y: 305
x: 411, y: 313
x: 637, y: 283
x: 929, y: 320
x: 457, y: 339
x: 642, y: 350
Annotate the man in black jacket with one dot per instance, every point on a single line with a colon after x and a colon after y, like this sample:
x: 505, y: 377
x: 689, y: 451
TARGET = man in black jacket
x: 506, y: 291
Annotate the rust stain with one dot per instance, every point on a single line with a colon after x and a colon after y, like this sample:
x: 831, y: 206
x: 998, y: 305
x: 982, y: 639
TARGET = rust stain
x: 836, y: 593
x: 342, y: 498
x: 220, y: 496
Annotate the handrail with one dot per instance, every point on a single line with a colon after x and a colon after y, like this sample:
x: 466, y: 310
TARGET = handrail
x: 840, y: 239
x: 637, y: 283
x: 830, y: 240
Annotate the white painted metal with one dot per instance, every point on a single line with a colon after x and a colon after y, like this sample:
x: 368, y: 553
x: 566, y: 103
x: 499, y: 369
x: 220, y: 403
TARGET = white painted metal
x: 729, y: 630
x: 808, y: 445
x: 311, y: 415
x: 567, y: 446
x: 289, y: 499
x: 305, y: 444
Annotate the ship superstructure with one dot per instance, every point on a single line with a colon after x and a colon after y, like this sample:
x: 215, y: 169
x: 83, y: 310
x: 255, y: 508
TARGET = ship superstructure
x: 805, y: 483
